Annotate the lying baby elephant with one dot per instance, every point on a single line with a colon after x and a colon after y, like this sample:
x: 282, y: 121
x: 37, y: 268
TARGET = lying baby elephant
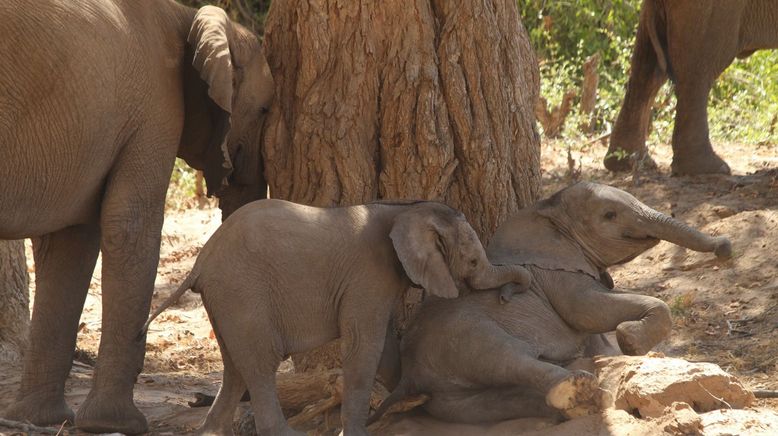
x: 506, y: 361
x: 279, y: 278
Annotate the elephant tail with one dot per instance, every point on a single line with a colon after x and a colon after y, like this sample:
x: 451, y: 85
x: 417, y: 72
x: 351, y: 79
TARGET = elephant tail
x: 402, y: 390
x: 655, y: 21
x: 187, y: 284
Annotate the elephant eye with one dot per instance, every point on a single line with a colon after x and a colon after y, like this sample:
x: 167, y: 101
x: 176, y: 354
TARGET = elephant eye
x: 474, y: 262
x: 609, y: 215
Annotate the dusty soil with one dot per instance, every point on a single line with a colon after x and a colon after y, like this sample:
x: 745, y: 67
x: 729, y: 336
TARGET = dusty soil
x: 725, y: 312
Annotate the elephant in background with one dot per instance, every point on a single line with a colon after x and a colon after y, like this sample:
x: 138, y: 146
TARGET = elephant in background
x: 692, y: 42
x: 98, y: 97
x: 507, y: 360
x: 279, y: 278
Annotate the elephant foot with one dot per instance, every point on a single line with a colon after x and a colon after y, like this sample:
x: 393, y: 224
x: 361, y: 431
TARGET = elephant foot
x: 707, y: 163
x: 622, y: 162
x: 578, y: 394
x: 40, y: 410
x: 629, y: 335
x: 105, y: 413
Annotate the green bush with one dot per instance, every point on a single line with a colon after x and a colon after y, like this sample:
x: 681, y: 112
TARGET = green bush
x: 250, y: 13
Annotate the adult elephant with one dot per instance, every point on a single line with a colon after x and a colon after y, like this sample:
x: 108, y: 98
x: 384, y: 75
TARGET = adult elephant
x: 98, y: 97
x: 508, y: 359
x: 691, y: 42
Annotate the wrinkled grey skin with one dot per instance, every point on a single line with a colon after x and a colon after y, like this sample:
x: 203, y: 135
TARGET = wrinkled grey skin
x: 692, y: 42
x: 279, y: 278
x: 483, y: 361
x: 98, y: 97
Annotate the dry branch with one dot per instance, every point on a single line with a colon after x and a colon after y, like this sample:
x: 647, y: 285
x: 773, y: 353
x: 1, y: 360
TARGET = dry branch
x: 402, y: 406
x: 202, y: 201
x: 589, y: 87
x: 25, y: 427
x: 553, y: 120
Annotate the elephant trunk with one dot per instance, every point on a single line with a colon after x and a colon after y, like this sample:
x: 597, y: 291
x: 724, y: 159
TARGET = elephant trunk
x: 661, y: 226
x: 495, y: 276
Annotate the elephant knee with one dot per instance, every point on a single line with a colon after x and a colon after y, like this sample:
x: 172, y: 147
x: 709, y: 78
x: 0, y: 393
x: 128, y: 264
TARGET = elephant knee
x: 657, y: 321
x: 127, y: 237
x: 662, y: 319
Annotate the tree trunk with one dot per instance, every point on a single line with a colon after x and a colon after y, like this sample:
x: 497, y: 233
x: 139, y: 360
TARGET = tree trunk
x: 423, y: 99
x: 14, y: 300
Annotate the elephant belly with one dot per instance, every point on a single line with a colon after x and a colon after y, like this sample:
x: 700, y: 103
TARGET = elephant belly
x: 531, y: 318
x: 55, y: 155
x: 35, y: 200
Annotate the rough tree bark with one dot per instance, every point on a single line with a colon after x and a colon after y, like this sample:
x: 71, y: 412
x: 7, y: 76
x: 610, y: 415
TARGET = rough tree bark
x: 427, y: 99
x: 414, y: 99
x: 14, y: 300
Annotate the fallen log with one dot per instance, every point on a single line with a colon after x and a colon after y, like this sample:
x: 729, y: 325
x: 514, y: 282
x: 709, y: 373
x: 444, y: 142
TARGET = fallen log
x: 296, y: 391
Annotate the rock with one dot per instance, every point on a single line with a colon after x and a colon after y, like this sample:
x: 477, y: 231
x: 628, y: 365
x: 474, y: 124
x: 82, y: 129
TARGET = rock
x: 752, y: 422
x: 681, y: 419
x: 724, y: 211
x: 646, y: 385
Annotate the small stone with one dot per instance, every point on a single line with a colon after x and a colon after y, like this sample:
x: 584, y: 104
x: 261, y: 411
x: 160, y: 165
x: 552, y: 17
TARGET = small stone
x: 683, y: 420
x: 724, y: 211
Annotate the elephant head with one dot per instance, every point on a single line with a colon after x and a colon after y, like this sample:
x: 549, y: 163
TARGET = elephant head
x: 228, y: 90
x: 613, y: 227
x: 440, y: 251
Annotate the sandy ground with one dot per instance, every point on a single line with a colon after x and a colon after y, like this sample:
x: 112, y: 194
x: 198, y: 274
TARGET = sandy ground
x: 725, y: 312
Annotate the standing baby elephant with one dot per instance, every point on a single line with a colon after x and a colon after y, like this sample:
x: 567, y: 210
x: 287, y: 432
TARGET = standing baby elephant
x: 279, y: 278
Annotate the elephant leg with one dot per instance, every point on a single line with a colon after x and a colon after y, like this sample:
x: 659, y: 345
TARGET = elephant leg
x: 389, y: 371
x: 268, y: 416
x: 131, y: 222
x: 640, y: 321
x: 260, y: 377
x: 629, y: 133
x: 701, y: 45
x: 489, y: 405
x: 64, y: 262
x: 599, y: 345
x: 692, y: 150
x: 251, y: 351
x: 497, y: 359
x: 222, y: 412
x: 362, y: 332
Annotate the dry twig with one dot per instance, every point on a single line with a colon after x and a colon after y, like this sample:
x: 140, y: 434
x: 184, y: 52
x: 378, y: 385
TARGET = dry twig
x: 553, y: 120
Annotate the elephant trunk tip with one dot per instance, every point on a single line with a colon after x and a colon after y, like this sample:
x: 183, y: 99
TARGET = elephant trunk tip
x: 722, y: 248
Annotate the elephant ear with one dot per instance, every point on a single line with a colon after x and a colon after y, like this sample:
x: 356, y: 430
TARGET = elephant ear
x: 417, y: 239
x: 212, y: 61
x: 212, y: 57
